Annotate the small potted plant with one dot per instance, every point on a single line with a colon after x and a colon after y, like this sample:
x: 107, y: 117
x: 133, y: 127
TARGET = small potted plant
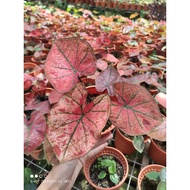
x: 157, y: 149
x: 152, y: 177
x: 107, y: 170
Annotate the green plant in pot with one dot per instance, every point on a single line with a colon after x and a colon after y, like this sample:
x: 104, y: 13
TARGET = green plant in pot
x: 159, y: 177
x: 110, y: 165
x: 152, y: 177
x: 73, y: 125
x: 157, y: 149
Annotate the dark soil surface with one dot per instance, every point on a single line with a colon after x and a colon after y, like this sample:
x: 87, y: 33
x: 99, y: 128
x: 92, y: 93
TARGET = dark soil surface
x: 108, y: 124
x: 148, y: 184
x: 128, y: 136
x: 161, y: 144
x: 106, y: 182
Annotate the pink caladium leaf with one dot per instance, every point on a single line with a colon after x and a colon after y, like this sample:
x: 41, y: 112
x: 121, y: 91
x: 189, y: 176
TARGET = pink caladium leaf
x: 34, y: 131
x: 109, y: 57
x: 159, y: 133
x: 28, y: 81
x: 68, y: 59
x: 101, y: 64
x: 153, y: 79
x: 143, y: 59
x: 161, y: 99
x: 106, y: 79
x: 29, y: 98
x: 136, y: 112
x: 75, y: 126
x: 139, y: 78
x: 86, y: 13
x: 43, y: 107
x: 49, y: 154
x: 125, y: 67
x: 54, y: 96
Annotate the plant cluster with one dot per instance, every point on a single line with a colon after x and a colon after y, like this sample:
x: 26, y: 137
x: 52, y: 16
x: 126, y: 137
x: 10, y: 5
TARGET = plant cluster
x: 110, y: 165
x: 158, y: 177
x: 63, y: 122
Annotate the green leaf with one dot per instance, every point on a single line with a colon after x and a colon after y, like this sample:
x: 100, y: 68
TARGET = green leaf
x: 161, y: 186
x: 112, y: 168
x: 106, y: 162
x: 114, y: 178
x: 29, y: 48
x: 149, y: 41
x: 133, y: 42
x: 153, y: 57
x: 27, y: 173
x: 138, y: 143
x: 30, y: 186
x: 153, y: 175
x: 162, y: 89
x: 162, y: 174
x: 102, y: 175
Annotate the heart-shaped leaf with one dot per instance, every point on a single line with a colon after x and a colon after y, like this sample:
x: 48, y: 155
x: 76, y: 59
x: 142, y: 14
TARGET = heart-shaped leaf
x: 101, y: 64
x: 54, y: 96
x: 106, y: 79
x: 75, y: 126
x: 49, y: 154
x: 161, y: 99
x: 109, y: 57
x: 102, y: 175
x: 34, y: 131
x: 161, y: 185
x: 138, y: 143
x: 159, y: 133
x: 43, y: 107
x: 136, y: 112
x: 68, y: 59
x: 114, y: 178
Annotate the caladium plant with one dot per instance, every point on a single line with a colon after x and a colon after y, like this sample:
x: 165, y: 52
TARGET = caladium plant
x: 68, y: 59
x: 74, y: 125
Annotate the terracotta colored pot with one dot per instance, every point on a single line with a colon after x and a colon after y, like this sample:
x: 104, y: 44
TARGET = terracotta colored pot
x: 97, y: 3
x: 153, y: 89
x: 108, y: 130
x: 156, y: 153
x: 87, y: 2
x: 121, y: 6
x: 27, y: 58
x: 145, y: 170
x: 117, y: 155
x: 40, y: 60
x: 133, y: 6
x: 103, y: 3
x: 126, y: 6
x: 92, y: 2
x: 45, y: 92
x: 109, y: 4
x: 145, y: 7
x: 115, y: 4
x: 124, y: 144
x: 139, y: 7
x: 30, y: 66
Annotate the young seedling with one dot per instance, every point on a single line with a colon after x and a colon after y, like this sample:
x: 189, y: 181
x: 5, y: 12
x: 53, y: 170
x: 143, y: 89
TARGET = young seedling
x: 159, y: 177
x: 110, y: 166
